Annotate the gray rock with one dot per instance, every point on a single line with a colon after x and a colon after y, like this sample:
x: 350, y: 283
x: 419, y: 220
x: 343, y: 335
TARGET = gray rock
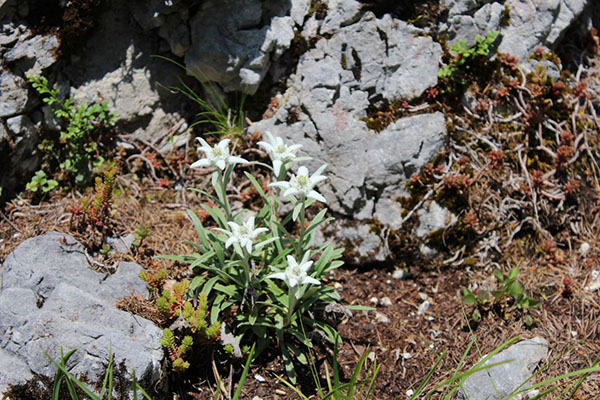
x: 177, y: 34
x: 568, y: 12
x: 434, y: 218
x: 20, y: 157
x: 456, y: 7
x: 51, y: 298
x: 523, y: 358
x: 13, y: 94
x: 340, y: 13
x: 124, y: 73
x: 552, y: 70
x: 242, y: 47
x: 531, y: 24
x: 299, y: 11
x: 122, y: 244
x: 34, y: 54
x: 328, y: 96
x: 14, y: 371
x: 360, y: 240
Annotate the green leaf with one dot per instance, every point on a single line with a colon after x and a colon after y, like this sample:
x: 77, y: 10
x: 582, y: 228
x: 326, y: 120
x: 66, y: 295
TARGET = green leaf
x: 468, y: 297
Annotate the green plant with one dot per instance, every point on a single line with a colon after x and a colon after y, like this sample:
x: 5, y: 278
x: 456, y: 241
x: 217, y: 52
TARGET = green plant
x: 356, y: 388
x: 509, y: 291
x: 93, y: 214
x: 62, y: 374
x: 215, y: 112
x: 141, y: 233
x: 176, y: 303
x: 465, y: 59
x: 84, y: 127
x: 40, y: 182
x: 264, y: 282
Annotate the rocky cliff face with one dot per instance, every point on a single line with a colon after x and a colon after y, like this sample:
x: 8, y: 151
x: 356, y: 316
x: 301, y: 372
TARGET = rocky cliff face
x: 349, y: 58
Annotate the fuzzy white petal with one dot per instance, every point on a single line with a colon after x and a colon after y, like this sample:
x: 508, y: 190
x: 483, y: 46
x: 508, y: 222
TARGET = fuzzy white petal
x: 220, y: 164
x: 278, y: 275
x: 277, y: 166
x: 237, y: 160
x: 311, y: 280
x: 317, y: 196
x: 200, y: 163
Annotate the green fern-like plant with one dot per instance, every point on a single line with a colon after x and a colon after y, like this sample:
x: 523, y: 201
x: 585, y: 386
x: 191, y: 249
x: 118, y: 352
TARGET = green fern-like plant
x: 84, y: 127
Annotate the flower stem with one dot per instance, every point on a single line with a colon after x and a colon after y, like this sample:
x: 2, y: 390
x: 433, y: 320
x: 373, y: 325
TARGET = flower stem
x: 302, y: 230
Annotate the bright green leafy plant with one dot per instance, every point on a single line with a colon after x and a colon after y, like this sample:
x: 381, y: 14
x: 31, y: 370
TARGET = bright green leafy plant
x: 41, y: 183
x: 77, y: 149
x: 509, y: 291
x: 261, y: 275
x: 459, y: 69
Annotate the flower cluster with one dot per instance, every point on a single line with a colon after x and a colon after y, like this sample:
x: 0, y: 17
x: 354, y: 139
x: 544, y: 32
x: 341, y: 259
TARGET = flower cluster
x: 252, y: 266
x: 299, y: 187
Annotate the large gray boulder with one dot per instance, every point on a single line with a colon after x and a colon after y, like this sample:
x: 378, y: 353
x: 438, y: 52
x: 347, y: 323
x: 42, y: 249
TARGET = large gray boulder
x: 242, y: 44
x: 50, y: 297
x: 34, y: 54
x: 124, y: 73
x: 521, y: 360
x: 523, y: 25
x: 328, y: 97
x: 13, y: 94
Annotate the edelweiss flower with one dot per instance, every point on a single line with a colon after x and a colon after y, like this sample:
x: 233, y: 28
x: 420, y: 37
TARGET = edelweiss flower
x: 295, y: 274
x: 280, y: 152
x: 243, y: 234
x: 302, y: 185
x: 218, y: 155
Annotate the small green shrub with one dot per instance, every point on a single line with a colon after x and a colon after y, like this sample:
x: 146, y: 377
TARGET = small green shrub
x: 509, y: 294
x: 466, y: 60
x: 41, y: 183
x: 84, y: 127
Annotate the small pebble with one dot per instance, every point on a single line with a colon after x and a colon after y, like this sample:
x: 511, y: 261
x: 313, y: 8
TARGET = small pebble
x: 423, y: 307
x: 399, y: 274
x: 406, y: 355
x: 374, y: 300
x: 584, y: 248
x: 409, y: 393
x: 381, y: 318
x: 260, y: 378
x: 385, y: 301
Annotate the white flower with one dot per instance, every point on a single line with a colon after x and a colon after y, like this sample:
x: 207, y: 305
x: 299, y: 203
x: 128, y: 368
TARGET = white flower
x: 295, y: 274
x: 302, y: 185
x: 243, y: 234
x: 280, y: 152
x: 218, y: 155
